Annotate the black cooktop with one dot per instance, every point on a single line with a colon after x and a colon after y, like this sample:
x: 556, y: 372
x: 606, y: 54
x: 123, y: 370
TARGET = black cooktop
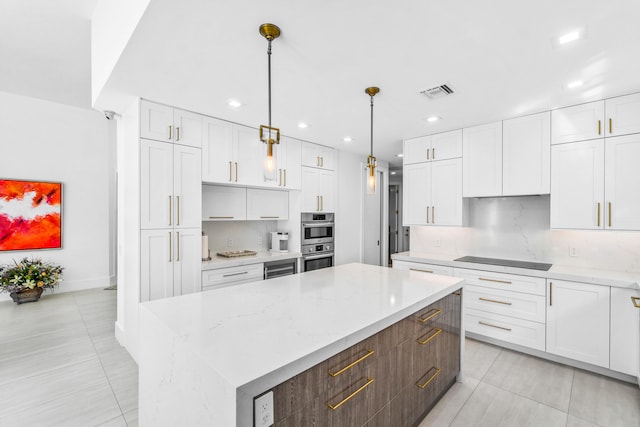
x: 506, y: 263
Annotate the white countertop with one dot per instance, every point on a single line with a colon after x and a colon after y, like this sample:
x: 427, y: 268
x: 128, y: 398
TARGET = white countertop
x: 594, y: 276
x: 262, y: 256
x: 259, y: 334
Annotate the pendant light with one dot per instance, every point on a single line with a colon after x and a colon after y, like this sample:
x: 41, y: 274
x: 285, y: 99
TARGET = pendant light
x: 268, y: 134
x: 371, y: 160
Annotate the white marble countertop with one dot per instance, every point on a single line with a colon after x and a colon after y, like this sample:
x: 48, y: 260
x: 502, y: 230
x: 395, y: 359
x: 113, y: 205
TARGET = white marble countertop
x: 259, y: 334
x: 620, y: 279
x: 262, y: 256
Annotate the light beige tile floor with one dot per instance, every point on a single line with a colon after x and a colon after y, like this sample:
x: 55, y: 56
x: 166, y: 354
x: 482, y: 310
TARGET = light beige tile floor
x: 60, y: 365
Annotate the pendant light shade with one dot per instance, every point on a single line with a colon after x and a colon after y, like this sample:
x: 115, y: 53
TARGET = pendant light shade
x: 269, y: 135
x: 371, y: 160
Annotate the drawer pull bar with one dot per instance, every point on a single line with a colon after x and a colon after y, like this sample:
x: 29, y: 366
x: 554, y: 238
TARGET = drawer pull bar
x: 635, y: 301
x: 494, y: 326
x: 432, y: 336
x: 437, y: 311
x: 346, y: 399
x: 220, y: 217
x: 235, y: 274
x: 431, y: 378
x: 493, y: 300
x: 494, y: 280
x: 423, y: 271
x: 269, y: 217
x: 351, y: 365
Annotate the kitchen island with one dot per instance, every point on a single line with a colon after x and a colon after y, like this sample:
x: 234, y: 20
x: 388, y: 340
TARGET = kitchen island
x: 205, y: 357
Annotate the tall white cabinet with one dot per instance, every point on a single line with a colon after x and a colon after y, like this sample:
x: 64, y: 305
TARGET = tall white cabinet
x: 317, y: 178
x: 482, y: 160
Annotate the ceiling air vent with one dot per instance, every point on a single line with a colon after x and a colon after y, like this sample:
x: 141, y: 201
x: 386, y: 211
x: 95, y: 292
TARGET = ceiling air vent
x: 437, y: 92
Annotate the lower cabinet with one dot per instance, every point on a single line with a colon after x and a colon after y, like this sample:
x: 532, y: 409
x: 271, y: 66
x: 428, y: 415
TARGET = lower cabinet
x: 423, y: 268
x: 227, y: 276
x: 392, y: 378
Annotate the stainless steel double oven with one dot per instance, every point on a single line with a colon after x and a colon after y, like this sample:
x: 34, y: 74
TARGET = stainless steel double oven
x: 317, y: 240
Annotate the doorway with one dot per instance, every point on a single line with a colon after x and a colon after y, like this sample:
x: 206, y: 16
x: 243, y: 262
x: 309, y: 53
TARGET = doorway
x: 394, y: 220
x: 373, y: 221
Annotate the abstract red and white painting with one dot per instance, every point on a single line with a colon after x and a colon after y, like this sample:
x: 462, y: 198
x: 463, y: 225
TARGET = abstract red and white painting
x: 30, y: 215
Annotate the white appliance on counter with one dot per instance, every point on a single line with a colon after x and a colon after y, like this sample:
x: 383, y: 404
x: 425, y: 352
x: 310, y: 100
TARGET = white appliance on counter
x: 279, y: 241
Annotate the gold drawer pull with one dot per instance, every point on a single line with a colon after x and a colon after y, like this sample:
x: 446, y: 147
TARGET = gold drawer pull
x: 351, y: 365
x: 493, y: 300
x: 423, y: 271
x: 346, y: 399
x: 220, y: 217
x: 610, y: 125
x: 431, y: 378
x: 430, y: 316
x: 599, y: 124
x: 269, y: 217
x: 494, y: 326
x: 636, y: 301
x: 494, y: 280
x: 432, y: 336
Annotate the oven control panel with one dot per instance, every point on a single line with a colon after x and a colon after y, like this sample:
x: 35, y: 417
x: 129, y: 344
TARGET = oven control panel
x: 312, y: 249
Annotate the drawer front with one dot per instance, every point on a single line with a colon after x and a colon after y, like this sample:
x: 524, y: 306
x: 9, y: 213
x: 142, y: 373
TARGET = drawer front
x: 423, y: 268
x: 513, y: 304
x: 508, y: 282
x: 516, y: 331
x: 222, y: 276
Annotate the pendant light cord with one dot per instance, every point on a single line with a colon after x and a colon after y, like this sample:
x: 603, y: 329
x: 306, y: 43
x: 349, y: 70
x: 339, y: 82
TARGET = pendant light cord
x: 372, y: 126
x: 269, y: 77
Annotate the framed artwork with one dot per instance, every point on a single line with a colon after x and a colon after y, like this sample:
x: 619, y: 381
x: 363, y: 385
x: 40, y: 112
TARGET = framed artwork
x: 30, y: 215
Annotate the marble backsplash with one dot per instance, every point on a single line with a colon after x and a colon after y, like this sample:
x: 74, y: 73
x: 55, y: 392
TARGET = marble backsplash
x: 251, y: 235
x: 518, y: 228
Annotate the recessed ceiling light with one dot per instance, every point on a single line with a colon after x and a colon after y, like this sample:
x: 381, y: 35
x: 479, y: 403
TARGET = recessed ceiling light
x: 234, y: 103
x: 575, y: 84
x: 433, y: 119
x: 569, y: 37
x: 399, y: 155
x: 347, y: 139
x: 303, y: 125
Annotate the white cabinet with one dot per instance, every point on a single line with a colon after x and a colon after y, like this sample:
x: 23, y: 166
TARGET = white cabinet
x: 318, y: 156
x: 267, y: 204
x: 228, y: 276
x: 578, y: 321
x: 577, y: 185
x: 163, y: 123
x: 441, y: 146
x: 170, y: 182
x: 622, y: 182
x: 421, y: 268
x: 482, y: 160
x: 623, y: 115
x: 224, y: 203
x: 526, y: 155
x: 317, y: 190
x: 433, y: 193
x: 625, y: 331
x: 289, y: 172
x: 577, y: 123
x: 417, y: 150
x: 170, y: 263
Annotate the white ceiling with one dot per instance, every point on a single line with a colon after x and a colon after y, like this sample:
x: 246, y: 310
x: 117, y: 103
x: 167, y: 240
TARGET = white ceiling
x: 498, y: 56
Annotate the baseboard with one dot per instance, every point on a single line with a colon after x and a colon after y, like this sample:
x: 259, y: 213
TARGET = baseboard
x: 119, y: 332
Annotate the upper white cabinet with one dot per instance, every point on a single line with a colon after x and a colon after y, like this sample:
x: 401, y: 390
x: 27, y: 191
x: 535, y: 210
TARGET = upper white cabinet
x: 170, y: 183
x: 625, y: 331
x: 526, y: 155
x: 224, y: 203
x: 267, y: 204
x: 317, y: 190
x: 577, y: 123
x: 622, y: 183
x: 578, y: 321
x: 623, y: 115
x: 288, y: 155
x: 417, y: 194
x: 163, y: 123
x: 482, y: 160
x: 218, y: 151
x: 318, y: 156
x: 441, y: 146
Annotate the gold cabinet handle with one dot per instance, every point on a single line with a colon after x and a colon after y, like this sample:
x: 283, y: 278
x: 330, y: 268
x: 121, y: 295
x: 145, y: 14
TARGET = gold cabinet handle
x: 550, y: 294
x: 170, y: 247
x: 318, y: 161
x: 599, y: 125
x: 269, y: 217
x: 236, y: 171
x: 285, y: 177
x: 321, y: 203
x: 178, y: 208
x: 433, y: 214
x: 433, y: 154
x: 230, y: 171
x: 610, y: 125
x: 598, y: 214
x: 322, y: 161
x: 609, y: 214
x: 635, y: 301
x: 431, y: 378
x: 178, y: 246
x: 235, y: 274
x: 280, y: 181
x: 430, y: 336
x: 434, y: 312
x: 494, y: 326
x: 317, y: 203
x: 428, y: 153
x: 351, y: 365
x: 170, y: 129
x: 427, y: 214
x: 170, y: 209
x: 346, y: 399
x: 178, y: 133
x: 494, y: 280
x: 221, y: 217
x: 422, y: 271
x: 496, y: 301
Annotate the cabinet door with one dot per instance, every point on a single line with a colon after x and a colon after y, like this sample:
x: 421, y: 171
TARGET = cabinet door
x: 446, y: 192
x: 156, y: 184
x: 156, y: 121
x: 267, y: 204
x: 578, y: 321
x: 482, y: 160
x: 416, y: 202
x: 577, y: 123
x: 187, y: 186
x: 577, y: 185
x: 291, y: 165
x: 248, y: 166
x: 446, y: 145
x: 327, y: 158
x: 625, y: 333
x: 623, y: 115
x: 310, y: 155
x: 188, y: 128
x: 217, y: 151
x: 526, y: 155
x: 327, y: 192
x: 156, y: 264
x: 187, y: 263
x: 622, y: 182
x: 417, y: 150
x: 310, y: 190
x: 224, y: 203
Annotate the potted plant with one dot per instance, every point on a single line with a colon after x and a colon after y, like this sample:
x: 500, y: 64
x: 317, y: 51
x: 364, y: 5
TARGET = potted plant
x: 27, y: 279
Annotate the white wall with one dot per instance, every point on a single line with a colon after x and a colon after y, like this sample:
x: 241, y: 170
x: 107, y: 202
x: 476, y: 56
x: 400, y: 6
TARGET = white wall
x: 348, y: 239
x: 47, y: 141
x: 518, y: 228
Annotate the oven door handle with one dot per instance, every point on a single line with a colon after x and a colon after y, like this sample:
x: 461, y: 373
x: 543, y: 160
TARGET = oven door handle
x: 309, y: 258
x: 318, y: 224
